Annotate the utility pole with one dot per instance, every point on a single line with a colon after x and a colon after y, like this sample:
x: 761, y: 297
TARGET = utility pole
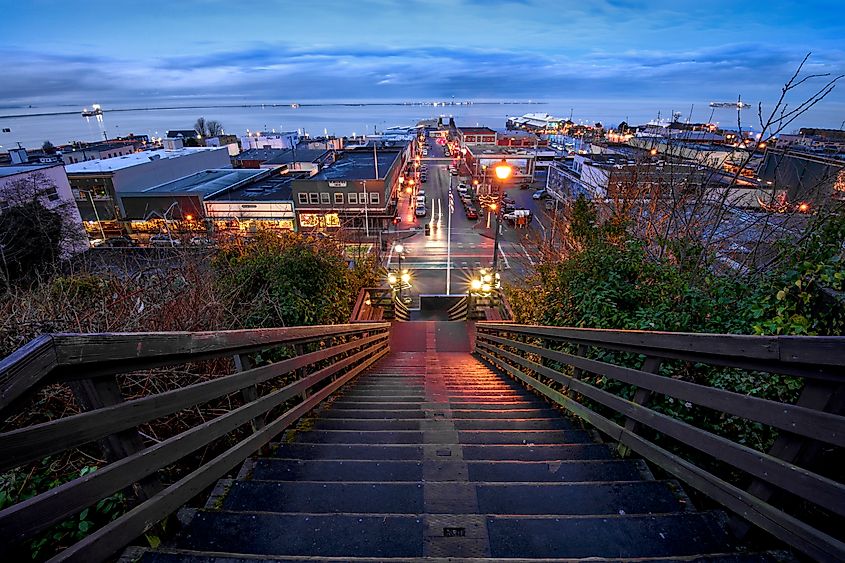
x: 449, y: 240
x: 366, y: 215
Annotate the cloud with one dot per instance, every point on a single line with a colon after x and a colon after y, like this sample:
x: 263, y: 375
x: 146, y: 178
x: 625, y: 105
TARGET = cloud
x: 283, y: 71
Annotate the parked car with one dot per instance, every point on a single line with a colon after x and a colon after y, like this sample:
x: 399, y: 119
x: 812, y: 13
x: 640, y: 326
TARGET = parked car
x: 510, y: 200
x: 420, y: 192
x: 424, y: 179
x: 120, y: 242
x: 420, y: 211
x: 164, y: 240
x: 471, y: 213
x: 462, y: 188
x: 201, y: 241
x: 539, y: 194
x: 550, y: 204
x: 420, y: 200
x: 524, y: 186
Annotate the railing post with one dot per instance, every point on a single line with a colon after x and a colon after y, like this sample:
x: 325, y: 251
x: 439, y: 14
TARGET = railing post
x: 578, y: 373
x: 100, y: 392
x: 641, y: 397
x: 827, y: 396
x: 249, y: 394
x: 300, y: 373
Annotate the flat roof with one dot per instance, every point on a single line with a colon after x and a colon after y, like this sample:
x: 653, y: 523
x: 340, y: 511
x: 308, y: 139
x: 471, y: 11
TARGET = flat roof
x: 24, y: 168
x: 299, y: 155
x: 358, y: 165
x: 206, y: 183
x: 134, y: 159
x: 489, y: 148
x: 260, y: 154
x: 476, y: 130
x: 277, y: 187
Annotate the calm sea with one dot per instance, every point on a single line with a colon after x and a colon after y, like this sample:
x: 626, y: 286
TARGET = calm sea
x: 62, y: 124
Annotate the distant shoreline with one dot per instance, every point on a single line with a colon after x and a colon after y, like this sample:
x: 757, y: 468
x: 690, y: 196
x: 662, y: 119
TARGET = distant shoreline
x: 301, y: 105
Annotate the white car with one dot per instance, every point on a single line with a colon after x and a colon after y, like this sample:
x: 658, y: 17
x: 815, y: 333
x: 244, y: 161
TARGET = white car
x: 420, y: 192
x: 421, y: 200
x: 512, y: 216
x: 539, y: 194
x: 462, y: 188
x: 420, y: 211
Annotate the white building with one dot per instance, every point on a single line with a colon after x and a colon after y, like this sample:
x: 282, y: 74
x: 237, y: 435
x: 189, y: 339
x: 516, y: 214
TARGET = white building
x: 270, y: 140
x: 49, y: 184
x: 101, y: 181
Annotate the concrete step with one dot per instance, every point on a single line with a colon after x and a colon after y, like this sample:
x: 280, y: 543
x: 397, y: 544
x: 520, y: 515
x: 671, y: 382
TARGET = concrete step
x: 273, y: 469
x: 269, y: 469
x: 615, y: 498
x: 502, y: 414
x: 341, y: 451
x: 166, y: 555
x: 460, y: 424
x: 372, y: 414
x: 391, y: 535
x: 318, y: 535
x: 324, y: 497
x: 537, y: 452
x: 626, y: 537
x: 437, y: 437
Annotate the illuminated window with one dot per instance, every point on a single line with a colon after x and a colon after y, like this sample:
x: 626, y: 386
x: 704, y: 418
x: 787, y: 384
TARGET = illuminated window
x: 353, y: 198
x: 338, y: 198
x: 324, y: 198
x: 374, y: 199
x: 303, y: 198
x: 314, y: 197
x: 332, y: 220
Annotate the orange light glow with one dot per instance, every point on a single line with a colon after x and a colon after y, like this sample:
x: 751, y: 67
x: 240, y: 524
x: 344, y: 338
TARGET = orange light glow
x: 493, y: 207
x: 503, y: 170
x: 189, y: 217
x: 653, y: 152
x: 803, y: 207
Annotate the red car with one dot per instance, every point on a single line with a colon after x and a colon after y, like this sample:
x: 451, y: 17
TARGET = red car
x: 471, y: 213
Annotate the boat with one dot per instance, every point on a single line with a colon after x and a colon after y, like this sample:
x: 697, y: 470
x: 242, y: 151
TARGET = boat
x: 294, y: 105
x: 737, y: 105
x: 95, y: 110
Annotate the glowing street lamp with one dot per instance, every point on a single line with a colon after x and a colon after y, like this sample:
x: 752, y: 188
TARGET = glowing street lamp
x: 503, y: 170
x: 475, y: 285
x: 406, y: 278
x: 391, y: 278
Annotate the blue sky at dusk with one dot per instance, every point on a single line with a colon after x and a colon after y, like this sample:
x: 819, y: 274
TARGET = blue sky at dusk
x: 434, y: 49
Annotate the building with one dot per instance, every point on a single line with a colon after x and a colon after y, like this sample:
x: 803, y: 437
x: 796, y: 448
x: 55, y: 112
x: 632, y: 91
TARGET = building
x: 98, y: 151
x: 270, y: 140
x: 97, y: 183
x: 49, y: 184
x: 356, y: 190
x: 297, y: 158
x: 236, y: 200
x: 806, y: 178
x: 522, y: 139
x: 536, y: 122
x: 468, y: 136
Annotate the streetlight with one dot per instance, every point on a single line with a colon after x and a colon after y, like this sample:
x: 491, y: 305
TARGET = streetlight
x: 399, y: 248
x: 391, y: 278
x: 503, y: 172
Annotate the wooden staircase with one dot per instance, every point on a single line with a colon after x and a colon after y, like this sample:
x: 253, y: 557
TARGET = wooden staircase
x: 431, y: 455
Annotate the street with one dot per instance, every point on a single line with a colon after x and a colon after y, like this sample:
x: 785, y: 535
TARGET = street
x: 425, y: 257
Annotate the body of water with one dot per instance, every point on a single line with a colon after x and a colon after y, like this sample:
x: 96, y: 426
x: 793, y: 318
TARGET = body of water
x: 31, y: 126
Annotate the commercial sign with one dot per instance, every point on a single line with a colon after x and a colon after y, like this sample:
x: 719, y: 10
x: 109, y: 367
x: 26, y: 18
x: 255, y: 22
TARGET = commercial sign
x: 337, y: 184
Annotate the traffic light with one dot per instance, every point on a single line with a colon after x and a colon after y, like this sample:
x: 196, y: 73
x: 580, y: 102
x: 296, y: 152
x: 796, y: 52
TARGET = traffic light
x: 427, y: 230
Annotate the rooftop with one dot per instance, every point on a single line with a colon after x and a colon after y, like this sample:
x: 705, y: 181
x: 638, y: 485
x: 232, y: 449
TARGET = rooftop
x: 489, y: 148
x: 476, y: 131
x: 6, y: 171
x: 272, y: 188
x: 134, y: 159
x: 262, y: 155
x: 208, y: 183
x: 358, y: 165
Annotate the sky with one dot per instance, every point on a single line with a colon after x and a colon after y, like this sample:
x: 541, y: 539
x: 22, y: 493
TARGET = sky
x: 72, y: 51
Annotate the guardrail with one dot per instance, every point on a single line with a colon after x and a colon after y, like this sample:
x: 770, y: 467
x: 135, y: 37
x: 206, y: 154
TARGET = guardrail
x: 373, y: 304
x: 321, y: 359
x: 563, y: 365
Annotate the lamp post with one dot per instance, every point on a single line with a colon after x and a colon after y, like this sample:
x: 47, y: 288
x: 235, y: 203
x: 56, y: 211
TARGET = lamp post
x: 503, y: 171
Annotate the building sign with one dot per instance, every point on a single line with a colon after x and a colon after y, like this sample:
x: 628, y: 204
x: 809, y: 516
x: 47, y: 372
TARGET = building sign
x: 319, y: 220
x: 337, y: 184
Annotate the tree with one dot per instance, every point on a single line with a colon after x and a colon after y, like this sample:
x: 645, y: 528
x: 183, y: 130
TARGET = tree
x: 214, y: 128
x: 48, y: 147
x: 201, y: 127
x: 34, y: 232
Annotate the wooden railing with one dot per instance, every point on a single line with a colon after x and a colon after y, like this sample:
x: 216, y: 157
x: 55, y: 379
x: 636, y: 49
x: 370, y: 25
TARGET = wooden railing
x: 373, y: 304
x: 786, y: 491
x: 265, y: 400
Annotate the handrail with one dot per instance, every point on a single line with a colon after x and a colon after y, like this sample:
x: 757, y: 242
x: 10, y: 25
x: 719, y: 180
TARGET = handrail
x: 339, y: 353
x: 372, y: 304
x: 557, y: 363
